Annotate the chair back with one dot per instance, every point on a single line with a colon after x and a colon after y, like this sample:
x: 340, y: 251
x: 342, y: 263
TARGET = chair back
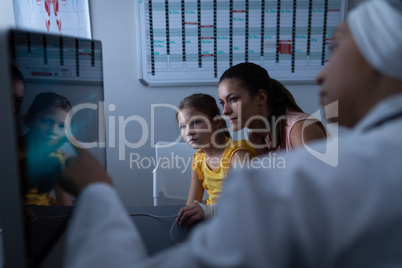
x: 172, y: 175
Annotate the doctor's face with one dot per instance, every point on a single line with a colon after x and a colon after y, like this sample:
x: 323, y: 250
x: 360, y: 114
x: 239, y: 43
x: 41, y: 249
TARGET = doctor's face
x: 348, y: 79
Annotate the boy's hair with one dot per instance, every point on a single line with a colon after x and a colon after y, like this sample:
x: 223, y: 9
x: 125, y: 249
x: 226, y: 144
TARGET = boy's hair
x: 253, y: 78
x: 44, y: 102
x: 205, y: 104
x: 17, y: 75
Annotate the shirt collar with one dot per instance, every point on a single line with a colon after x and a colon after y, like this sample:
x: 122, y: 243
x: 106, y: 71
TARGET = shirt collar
x: 387, y: 108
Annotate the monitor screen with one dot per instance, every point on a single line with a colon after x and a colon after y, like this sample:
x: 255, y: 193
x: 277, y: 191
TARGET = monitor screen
x: 57, y: 104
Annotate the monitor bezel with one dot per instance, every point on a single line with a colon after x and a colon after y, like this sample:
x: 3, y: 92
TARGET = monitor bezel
x: 11, y: 208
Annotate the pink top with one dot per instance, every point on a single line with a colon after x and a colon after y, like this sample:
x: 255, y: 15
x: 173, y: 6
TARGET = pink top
x: 291, y: 119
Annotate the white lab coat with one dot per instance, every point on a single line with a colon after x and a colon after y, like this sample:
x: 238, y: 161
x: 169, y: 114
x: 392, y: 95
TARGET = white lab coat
x: 307, y: 215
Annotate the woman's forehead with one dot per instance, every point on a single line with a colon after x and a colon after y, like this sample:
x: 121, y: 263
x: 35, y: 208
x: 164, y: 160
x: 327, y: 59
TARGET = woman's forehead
x: 342, y: 30
x: 231, y: 86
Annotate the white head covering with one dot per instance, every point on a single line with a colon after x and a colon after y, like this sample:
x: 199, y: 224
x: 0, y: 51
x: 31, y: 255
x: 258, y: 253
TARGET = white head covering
x: 376, y: 27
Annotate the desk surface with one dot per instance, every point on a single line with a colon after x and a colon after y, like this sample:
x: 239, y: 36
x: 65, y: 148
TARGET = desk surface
x: 47, y: 226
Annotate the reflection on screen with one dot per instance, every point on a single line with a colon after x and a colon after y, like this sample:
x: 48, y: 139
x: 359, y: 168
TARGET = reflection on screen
x: 57, y: 87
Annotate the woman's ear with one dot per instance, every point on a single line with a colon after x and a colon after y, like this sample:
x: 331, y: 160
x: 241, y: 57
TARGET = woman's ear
x: 261, y: 97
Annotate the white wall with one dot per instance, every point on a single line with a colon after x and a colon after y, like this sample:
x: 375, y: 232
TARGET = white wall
x: 114, y: 23
x: 6, y: 14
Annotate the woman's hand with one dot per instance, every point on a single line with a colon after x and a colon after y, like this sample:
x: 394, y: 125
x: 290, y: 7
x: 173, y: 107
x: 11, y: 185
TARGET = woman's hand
x: 190, y: 214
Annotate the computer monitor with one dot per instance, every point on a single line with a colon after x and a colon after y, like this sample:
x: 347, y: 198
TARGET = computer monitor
x: 51, y: 65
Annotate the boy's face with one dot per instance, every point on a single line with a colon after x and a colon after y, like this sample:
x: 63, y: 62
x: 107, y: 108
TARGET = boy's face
x: 49, y: 127
x: 18, y: 95
x: 348, y: 78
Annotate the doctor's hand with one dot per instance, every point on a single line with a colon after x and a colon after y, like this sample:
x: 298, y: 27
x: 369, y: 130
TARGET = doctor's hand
x: 190, y: 214
x: 81, y: 171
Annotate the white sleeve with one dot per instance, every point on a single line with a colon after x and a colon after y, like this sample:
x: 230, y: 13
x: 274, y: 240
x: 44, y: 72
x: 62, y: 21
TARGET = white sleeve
x: 308, y: 214
x: 253, y: 228
x: 241, y: 233
x: 209, y: 210
x: 101, y: 234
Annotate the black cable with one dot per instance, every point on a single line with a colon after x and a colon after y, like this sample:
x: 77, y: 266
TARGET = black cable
x: 160, y: 217
x: 130, y: 214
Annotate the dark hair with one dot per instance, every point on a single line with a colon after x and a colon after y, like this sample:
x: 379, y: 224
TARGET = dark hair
x: 44, y: 102
x: 205, y: 104
x: 17, y: 75
x: 253, y: 77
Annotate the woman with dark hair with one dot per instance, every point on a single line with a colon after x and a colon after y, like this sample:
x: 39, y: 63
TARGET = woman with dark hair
x: 250, y: 98
x: 39, y: 149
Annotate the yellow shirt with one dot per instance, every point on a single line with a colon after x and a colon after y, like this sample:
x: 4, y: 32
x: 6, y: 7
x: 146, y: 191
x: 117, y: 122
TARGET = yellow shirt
x: 32, y: 197
x: 212, y: 180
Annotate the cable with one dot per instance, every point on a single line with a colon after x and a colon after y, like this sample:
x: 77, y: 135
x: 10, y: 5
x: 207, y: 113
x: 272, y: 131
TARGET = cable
x: 160, y: 217
x: 171, y: 234
x: 52, y: 217
x: 130, y: 214
x: 151, y: 215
